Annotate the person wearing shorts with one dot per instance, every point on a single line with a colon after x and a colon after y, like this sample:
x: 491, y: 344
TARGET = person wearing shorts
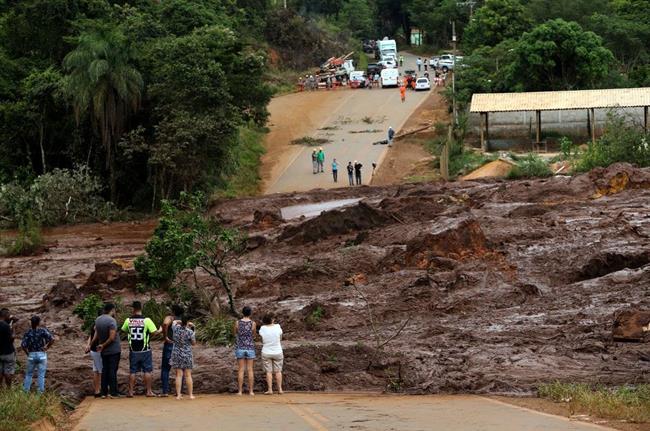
x: 272, y: 356
x: 7, y: 350
x: 245, y: 349
x: 97, y: 364
x: 139, y: 329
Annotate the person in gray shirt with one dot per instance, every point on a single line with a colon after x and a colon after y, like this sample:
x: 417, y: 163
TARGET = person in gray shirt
x: 109, y: 346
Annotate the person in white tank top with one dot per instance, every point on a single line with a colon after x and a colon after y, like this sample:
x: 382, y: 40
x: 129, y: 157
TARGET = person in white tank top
x: 272, y: 355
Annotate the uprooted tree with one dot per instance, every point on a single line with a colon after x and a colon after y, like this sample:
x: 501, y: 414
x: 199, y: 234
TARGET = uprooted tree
x: 187, y: 239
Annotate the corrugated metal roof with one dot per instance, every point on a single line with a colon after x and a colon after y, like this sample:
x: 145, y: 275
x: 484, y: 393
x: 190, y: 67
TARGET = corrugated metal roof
x: 561, y: 100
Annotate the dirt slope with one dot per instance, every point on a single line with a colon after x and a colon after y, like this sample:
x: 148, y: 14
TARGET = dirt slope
x: 501, y: 285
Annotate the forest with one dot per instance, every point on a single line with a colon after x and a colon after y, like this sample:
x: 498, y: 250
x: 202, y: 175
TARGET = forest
x: 134, y: 101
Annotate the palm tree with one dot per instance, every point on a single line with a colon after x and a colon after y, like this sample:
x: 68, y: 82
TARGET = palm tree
x: 102, y: 82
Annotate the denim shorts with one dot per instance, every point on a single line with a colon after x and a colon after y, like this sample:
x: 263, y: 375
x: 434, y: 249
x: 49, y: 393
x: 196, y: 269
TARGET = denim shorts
x: 97, y: 361
x: 140, y: 361
x: 245, y: 353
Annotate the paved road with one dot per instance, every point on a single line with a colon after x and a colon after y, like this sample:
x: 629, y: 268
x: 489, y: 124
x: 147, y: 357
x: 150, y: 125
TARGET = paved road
x: 318, y: 412
x: 382, y: 106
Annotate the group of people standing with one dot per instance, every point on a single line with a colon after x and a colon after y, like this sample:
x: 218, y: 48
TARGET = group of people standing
x: 35, y: 343
x: 179, y: 337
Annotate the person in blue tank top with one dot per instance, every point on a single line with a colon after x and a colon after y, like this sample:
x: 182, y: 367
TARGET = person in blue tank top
x: 244, y: 329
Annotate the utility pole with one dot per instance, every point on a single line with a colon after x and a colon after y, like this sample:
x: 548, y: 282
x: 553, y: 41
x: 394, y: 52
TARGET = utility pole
x: 453, y: 75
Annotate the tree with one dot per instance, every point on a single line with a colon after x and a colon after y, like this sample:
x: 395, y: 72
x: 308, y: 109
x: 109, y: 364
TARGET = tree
x: 559, y: 55
x: 575, y: 10
x: 103, y: 82
x: 496, y: 21
x: 435, y: 17
x: 356, y: 17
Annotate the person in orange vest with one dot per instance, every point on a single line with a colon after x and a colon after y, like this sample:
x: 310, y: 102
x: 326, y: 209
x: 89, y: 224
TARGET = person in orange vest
x: 402, y: 92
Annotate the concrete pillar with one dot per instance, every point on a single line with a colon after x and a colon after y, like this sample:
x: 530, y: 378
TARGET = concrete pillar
x: 645, y: 119
x: 593, y: 126
x: 538, y: 114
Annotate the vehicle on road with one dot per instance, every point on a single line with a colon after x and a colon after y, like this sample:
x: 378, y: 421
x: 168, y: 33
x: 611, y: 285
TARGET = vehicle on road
x: 358, y: 78
x: 389, y: 63
x: 422, y: 84
x: 387, y: 47
x: 389, y: 78
x: 446, y: 62
x: 433, y: 61
x: 374, y: 68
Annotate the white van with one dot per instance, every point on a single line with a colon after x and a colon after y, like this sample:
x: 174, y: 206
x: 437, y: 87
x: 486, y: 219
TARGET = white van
x: 389, y: 78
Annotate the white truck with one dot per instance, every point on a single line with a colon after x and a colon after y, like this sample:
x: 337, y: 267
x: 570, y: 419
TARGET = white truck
x: 387, y: 47
x: 446, y: 62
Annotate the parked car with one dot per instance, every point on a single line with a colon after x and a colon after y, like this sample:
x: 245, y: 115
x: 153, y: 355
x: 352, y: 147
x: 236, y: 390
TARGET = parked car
x: 374, y: 68
x: 446, y: 62
x: 422, y: 84
x: 388, y: 63
x: 359, y: 78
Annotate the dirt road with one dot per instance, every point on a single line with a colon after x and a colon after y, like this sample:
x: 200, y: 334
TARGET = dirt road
x: 351, y: 120
x: 320, y: 412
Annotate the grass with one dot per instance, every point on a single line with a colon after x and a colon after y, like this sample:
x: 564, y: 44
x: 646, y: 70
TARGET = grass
x: 215, y: 331
x: 363, y: 62
x: 27, y: 242
x: 18, y: 410
x: 466, y: 161
x: 310, y: 142
x: 282, y: 81
x: 245, y: 180
x: 315, y: 317
x: 530, y: 166
x: 628, y: 403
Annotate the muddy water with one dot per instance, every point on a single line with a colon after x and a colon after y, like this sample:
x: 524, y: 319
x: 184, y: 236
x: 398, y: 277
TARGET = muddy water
x: 312, y: 210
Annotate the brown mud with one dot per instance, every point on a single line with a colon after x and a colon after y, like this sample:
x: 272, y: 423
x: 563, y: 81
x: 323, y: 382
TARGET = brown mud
x: 500, y: 285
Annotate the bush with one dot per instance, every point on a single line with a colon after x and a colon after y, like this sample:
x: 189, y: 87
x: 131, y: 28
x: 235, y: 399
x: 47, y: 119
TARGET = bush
x: 156, y: 311
x: 628, y: 403
x: 57, y: 197
x: 245, y: 180
x: 621, y: 142
x: 88, y: 310
x: 216, y: 331
x: 28, y: 239
x: 18, y: 409
x: 530, y: 166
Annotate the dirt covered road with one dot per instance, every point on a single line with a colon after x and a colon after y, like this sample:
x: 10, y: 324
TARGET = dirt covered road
x: 348, y: 120
x: 320, y: 412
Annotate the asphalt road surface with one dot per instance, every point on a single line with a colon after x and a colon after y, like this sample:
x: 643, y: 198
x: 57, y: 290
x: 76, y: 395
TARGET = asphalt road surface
x: 318, y: 412
x: 379, y: 107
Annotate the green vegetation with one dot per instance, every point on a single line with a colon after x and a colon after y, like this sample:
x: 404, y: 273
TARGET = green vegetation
x: 629, y: 403
x: 88, y: 310
x: 215, y: 331
x: 310, y: 142
x: 621, y: 142
x: 530, y: 166
x: 314, y: 318
x: 245, y: 179
x: 187, y: 239
x: 18, y: 409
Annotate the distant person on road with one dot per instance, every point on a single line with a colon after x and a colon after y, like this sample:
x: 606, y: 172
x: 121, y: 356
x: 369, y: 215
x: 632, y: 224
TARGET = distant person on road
x: 402, y: 93
x: 314, y: 161
x: 139, y: 330
x: 272, y: 356
x: 244, y: 329
x: 335, y: 170
x: 96, y: 359
x: 168, y: 347
x: 401, y: 60
x: 376, y: 79
x: 182, y: 359
x: 357, y: 172
x: 110, y: 349
x: 351, y: 173
x: 391, y: 135
x: 419, y: 63
x: 7, y: 350
x: 426, y: 66
x: 321, y: 159
x: 35, y: 343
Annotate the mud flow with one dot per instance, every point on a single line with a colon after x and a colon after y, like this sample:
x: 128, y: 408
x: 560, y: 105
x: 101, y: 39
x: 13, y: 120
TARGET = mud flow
x: 497, y: 286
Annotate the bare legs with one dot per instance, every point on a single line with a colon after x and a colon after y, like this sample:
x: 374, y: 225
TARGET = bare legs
x: 189, y: 382
x: 97, y: 382
x: 245, y: 365
x: 278, y: 382
x: 179, y: 383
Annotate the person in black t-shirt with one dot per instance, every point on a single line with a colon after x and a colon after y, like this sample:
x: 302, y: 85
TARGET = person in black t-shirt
x: 351, y: 173
x: 7, y: 350
x: 357, y: 172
